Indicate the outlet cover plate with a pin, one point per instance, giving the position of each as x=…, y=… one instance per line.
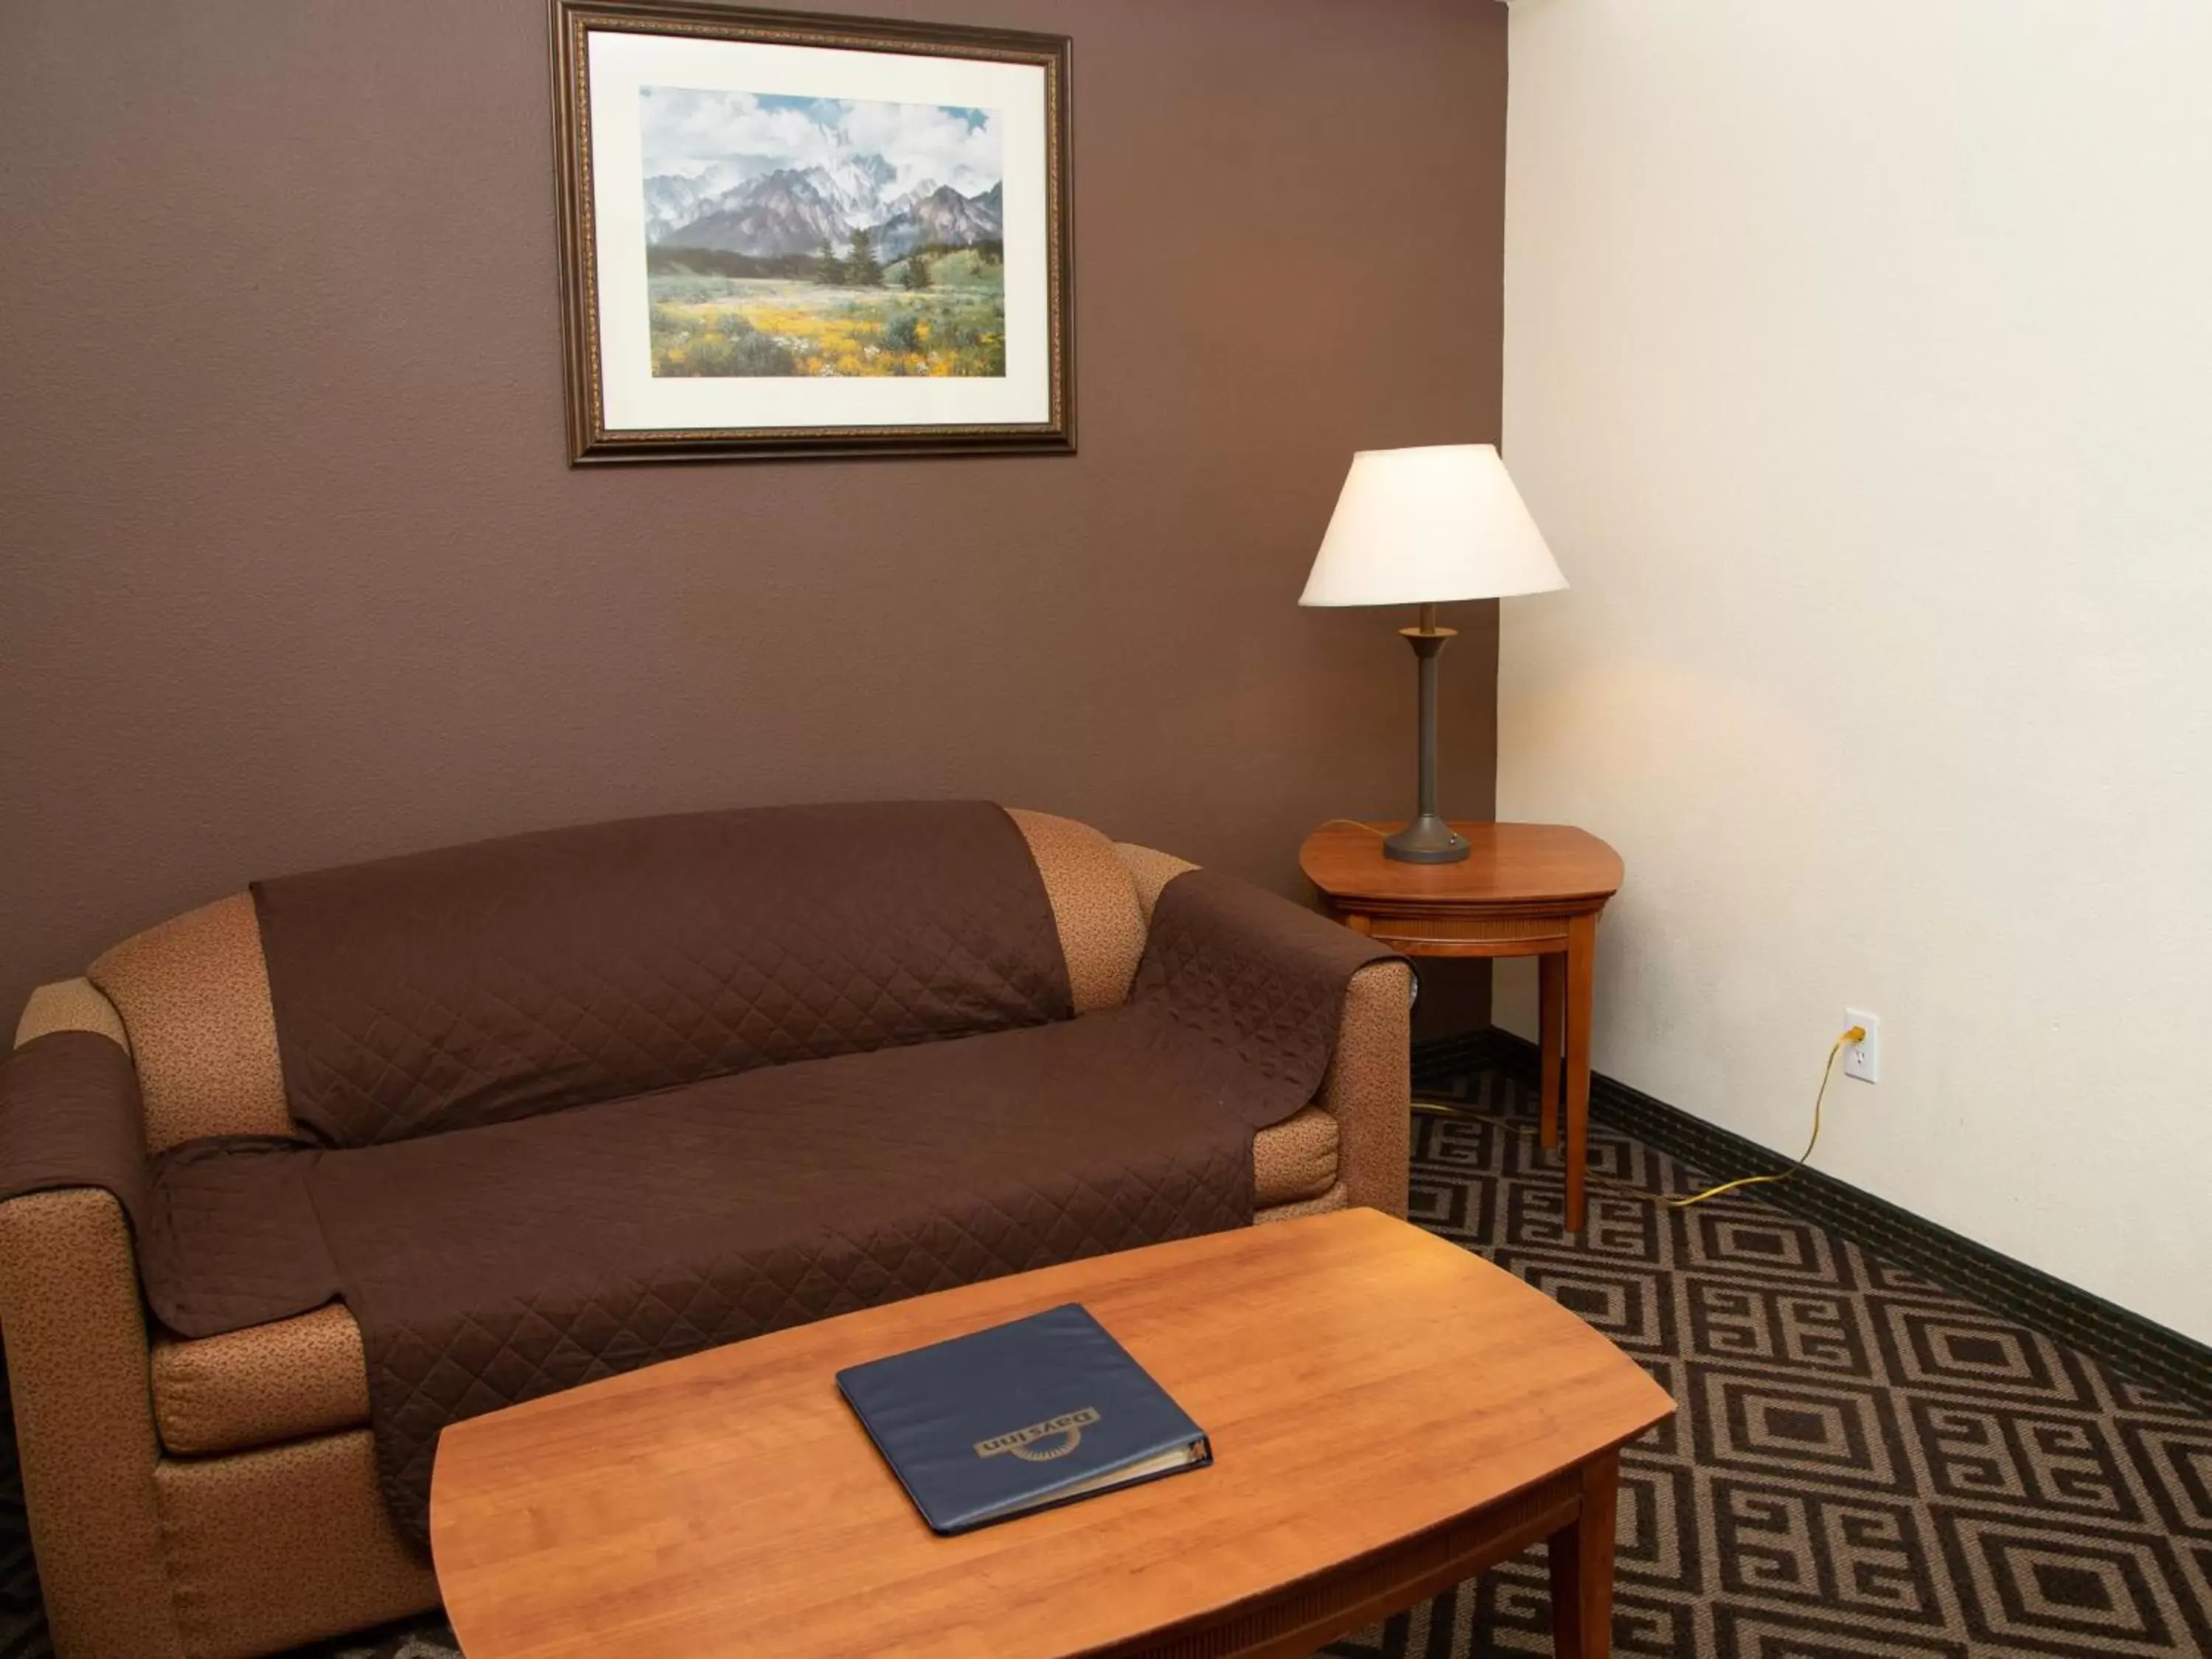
x=1862, y=1059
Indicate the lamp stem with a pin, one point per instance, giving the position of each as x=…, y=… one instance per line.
x=1428, y=839
x=1426, y=805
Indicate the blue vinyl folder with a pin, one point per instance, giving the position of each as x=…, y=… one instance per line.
x=1019, y=1417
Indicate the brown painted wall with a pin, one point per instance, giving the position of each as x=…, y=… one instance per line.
x=292, y=570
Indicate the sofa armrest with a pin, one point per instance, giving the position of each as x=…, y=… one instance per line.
x=1369, y=1088
x=71, y=1159
x=71, y=1005
x=70, y=1116
x=77, y=1371
x=1369, y=1085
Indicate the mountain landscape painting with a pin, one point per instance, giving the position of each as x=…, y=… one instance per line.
x=819, y=237
x=783, y=235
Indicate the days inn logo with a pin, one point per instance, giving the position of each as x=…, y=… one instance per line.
x=1027, y=1444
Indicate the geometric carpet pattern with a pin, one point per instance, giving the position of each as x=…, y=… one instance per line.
x=1862, y=1465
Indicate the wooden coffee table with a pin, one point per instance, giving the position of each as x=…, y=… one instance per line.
x=1389, y=1414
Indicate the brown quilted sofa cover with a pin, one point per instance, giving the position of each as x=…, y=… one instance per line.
x=218, y=1496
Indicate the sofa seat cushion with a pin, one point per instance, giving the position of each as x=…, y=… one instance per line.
x=305, y=1375
x=267, y=1383
x=1294, y=1159
x=300, y=1376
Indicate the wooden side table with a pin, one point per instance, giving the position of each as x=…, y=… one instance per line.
x=1524, y=889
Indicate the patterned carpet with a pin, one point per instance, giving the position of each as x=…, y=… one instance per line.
x=1863, y=1466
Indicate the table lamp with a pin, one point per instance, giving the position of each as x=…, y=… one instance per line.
x=1425, y=526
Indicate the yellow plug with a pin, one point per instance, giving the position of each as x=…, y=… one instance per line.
x=1857, y=1034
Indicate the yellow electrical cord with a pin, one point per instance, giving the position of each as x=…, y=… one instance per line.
x=1857, y=1034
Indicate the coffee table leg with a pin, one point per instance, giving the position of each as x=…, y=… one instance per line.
x=1582, y=1567
x=1551, y=1021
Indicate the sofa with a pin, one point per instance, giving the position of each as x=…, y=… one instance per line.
x=215, y=1496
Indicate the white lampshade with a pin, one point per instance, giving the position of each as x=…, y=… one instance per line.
x=1417, y=525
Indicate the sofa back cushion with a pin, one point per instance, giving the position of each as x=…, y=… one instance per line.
x=475, y=984
x=192, y=992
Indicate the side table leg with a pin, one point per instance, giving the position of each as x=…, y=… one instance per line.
x=1581, y=986
x=1551, y=1017
x=1582, y=1567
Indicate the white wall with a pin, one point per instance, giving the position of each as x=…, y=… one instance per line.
x=1858, y=365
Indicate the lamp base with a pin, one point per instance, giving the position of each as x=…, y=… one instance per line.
x=1427, y=840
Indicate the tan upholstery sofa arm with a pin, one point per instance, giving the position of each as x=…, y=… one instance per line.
x=1150, y=871
x=77, y=1369
x=1369, y=1088
x=71, y=1005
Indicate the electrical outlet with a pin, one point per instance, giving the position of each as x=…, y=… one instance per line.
x=1862, y=1058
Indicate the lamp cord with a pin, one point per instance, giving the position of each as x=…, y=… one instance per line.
x=1857, y=1034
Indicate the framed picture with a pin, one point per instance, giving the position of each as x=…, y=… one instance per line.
x=786, y=234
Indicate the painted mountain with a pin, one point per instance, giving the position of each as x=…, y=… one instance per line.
x=781, y=212
x=768, y=176
x=944, y=218
x=787, y=210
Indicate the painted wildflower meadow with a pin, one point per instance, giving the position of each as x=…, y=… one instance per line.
x=800, y=236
